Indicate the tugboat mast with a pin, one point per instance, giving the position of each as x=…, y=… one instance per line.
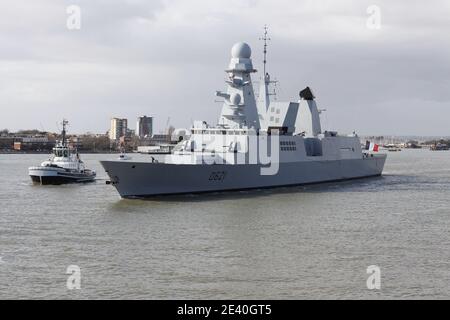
x=64, y=123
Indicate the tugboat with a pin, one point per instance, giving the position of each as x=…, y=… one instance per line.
x=64, y=166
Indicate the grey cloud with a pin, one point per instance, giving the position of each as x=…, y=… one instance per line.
x=166, y=58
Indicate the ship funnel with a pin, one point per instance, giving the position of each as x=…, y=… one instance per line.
x=306, y=94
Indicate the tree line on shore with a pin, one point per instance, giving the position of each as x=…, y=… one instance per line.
x=85, y=142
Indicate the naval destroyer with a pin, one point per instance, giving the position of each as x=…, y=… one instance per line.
x=257, y=143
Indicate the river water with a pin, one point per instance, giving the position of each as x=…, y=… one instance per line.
x=290, y=243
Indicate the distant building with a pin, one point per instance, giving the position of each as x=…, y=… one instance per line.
x=6, y=143
x=119, y=128
x=144, y=127
x=33, y=144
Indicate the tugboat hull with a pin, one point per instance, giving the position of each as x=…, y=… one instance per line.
x=57, y=176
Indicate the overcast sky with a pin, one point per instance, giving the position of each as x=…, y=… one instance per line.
x=167, y=58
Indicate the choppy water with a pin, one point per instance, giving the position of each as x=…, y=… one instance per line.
x=304, y=242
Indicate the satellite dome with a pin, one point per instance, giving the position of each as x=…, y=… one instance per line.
x=241, y=50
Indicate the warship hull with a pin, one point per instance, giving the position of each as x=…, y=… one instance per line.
x=143, y=179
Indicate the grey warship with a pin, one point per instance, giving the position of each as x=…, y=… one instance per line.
x=257, y=143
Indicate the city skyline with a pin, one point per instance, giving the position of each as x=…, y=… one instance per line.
x=392, y=80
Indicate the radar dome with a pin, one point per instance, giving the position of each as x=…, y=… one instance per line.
x=241, y=50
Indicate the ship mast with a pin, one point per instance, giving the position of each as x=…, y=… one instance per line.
x=264, y=95
x=64, y=123
x=265, y=39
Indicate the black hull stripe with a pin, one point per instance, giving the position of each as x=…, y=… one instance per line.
x=56, y=180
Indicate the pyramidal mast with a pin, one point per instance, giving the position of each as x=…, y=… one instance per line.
x=239, y=109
